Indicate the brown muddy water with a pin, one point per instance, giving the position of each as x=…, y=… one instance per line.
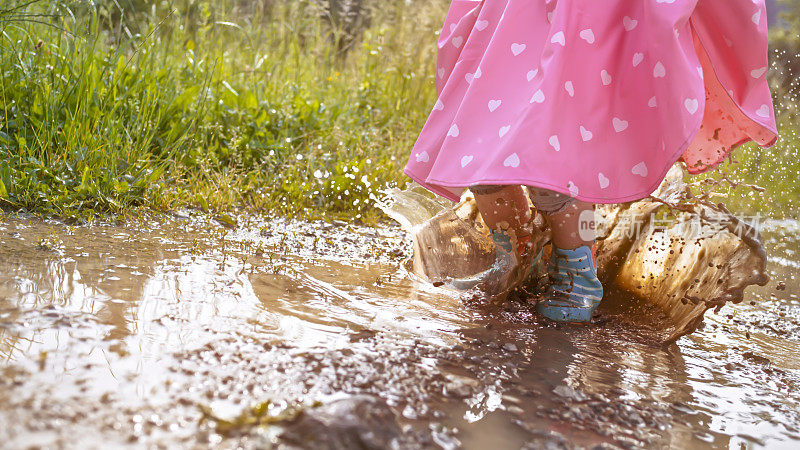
x=178, y=331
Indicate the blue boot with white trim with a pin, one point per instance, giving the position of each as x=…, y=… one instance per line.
x=575, y=291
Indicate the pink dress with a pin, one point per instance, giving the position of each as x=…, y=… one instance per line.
x=593, y=98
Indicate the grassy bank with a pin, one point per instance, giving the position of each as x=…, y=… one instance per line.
x=271, y=105
x=285, y=107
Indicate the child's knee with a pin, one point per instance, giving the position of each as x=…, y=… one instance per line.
x=486, y=189
x=550, y=202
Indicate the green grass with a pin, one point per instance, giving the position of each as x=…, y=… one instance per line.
x=773, y=171
x=211, y=104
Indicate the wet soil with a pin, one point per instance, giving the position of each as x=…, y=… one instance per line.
x=180, y=331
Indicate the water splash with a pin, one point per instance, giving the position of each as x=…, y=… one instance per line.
x=676, y=269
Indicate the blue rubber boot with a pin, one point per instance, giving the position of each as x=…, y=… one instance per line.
x=505, y=248
x=507, y=258
x=502, y=242
x=574, y=292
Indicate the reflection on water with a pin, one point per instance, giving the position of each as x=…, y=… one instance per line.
x=127, y=333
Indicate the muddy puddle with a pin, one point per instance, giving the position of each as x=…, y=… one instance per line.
x=178, y=331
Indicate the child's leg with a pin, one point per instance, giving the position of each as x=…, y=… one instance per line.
x=575, y=291
x=505, y=210
x=573, y=227
x=571, y=221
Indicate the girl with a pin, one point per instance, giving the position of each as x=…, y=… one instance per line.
x=587, y=102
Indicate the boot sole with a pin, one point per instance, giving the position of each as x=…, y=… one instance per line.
x=566, y=314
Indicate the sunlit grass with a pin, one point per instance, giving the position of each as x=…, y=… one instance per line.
x=210, y=106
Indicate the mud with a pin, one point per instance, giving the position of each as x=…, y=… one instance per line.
x=178, y=331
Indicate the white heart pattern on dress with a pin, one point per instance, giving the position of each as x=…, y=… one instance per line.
x=503, y=130
x=452, y=27
x=558, y=38
x=691, y=105
x=629, y=23
x=603, y=180
x=531, y=74
x=637, y=59
x=466, y=160
x=481, y=25
x=587, y=35
x=757, y=17
x=573, y=190
x=586, y=135
x=516, y=48
x=763, y=111
x=511, y=161
x=640, y=169
x=494, y=104
x=758, y=73
x=659, y=71
x=605, y=77
x=569, y=88
x=554, y=142
x=440, y=71
x=457, y=41
x=619, y=124
x=473, y=76
x=438, y=106
x=538, y=97
x=453, y=131
x=652, y=102
x=423, y=157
